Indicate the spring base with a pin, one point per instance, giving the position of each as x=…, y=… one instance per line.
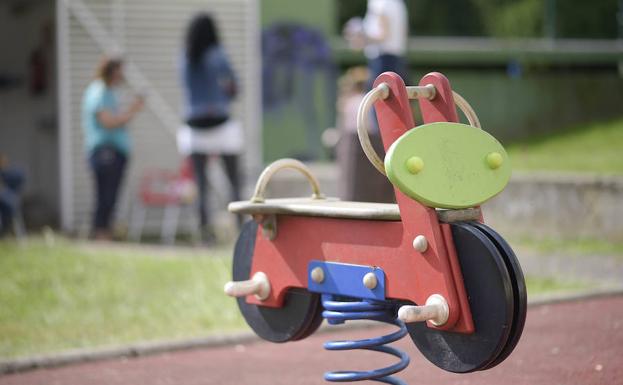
x=337, y=311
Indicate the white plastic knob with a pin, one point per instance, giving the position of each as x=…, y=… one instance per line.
x=436, y=311
x=258, y=285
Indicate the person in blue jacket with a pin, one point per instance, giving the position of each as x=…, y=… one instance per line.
x=107, y=142
x=11, y=182
x=209, y=86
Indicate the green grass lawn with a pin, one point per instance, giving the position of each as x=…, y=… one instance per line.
x=538, y=286
x=595, y=147
x=577, y=246
x=73, y=295
x=69, y=295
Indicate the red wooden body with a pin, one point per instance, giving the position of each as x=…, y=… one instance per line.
x=409, y=274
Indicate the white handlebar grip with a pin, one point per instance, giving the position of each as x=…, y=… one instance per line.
x=436, y=311
x=258, y=285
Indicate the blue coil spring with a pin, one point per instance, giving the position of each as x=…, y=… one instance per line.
x=337, y=312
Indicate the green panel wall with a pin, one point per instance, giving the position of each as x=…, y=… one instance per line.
x=537, y=103
x=284, y=132
x=544, y=99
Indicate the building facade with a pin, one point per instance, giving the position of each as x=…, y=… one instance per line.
x=74, y=35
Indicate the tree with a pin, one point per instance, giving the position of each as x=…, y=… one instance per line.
x=502, y=18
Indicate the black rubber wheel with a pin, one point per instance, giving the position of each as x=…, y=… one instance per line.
x=299, y=314
x=490, y=294
x=519, y=291
x=314, y=324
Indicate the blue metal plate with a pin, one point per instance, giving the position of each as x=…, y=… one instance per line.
x=347, y=280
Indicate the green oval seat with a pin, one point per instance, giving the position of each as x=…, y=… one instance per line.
x=448, y=165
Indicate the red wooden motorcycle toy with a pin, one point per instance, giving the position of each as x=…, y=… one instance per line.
x=427, y=264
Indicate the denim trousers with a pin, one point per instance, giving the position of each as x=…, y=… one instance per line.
x=387, y=62
x=200, y=172
x=377, y=66
x=108, y=166
x=11, y=183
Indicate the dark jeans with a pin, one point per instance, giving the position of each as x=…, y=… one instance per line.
x=381, y=64
x=11, y=182
x=108, y=165
x=6, y=216
x=385, y=63
x=199, y=168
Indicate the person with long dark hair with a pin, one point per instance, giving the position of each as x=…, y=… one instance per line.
x=209, y=86
x=107, y=141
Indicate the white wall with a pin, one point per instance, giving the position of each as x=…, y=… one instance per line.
x=150, y=33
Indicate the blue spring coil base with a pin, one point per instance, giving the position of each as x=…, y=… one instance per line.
x=337, y=312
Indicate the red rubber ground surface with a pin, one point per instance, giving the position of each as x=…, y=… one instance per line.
x=566, y=343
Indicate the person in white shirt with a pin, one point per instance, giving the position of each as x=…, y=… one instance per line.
x=382, y=34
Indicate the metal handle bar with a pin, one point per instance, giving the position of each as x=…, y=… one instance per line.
x=414, y=92
x=262, y=182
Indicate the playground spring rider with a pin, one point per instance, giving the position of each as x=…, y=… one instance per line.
x=429, y=264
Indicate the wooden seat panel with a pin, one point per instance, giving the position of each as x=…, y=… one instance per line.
x=335, y=208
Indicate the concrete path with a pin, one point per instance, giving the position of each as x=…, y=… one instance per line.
x=577, y=342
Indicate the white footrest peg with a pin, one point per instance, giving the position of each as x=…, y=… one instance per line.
x=257, y=285
x=435, y=310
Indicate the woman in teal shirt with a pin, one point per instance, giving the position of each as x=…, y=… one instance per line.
x=106, y=139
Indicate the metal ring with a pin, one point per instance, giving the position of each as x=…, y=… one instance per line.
x=381, y=92
x=363, y=115
x=467, y=110
x=271, y=169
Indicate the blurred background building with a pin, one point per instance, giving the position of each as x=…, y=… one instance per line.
x=526, y=66
x=49, y=53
